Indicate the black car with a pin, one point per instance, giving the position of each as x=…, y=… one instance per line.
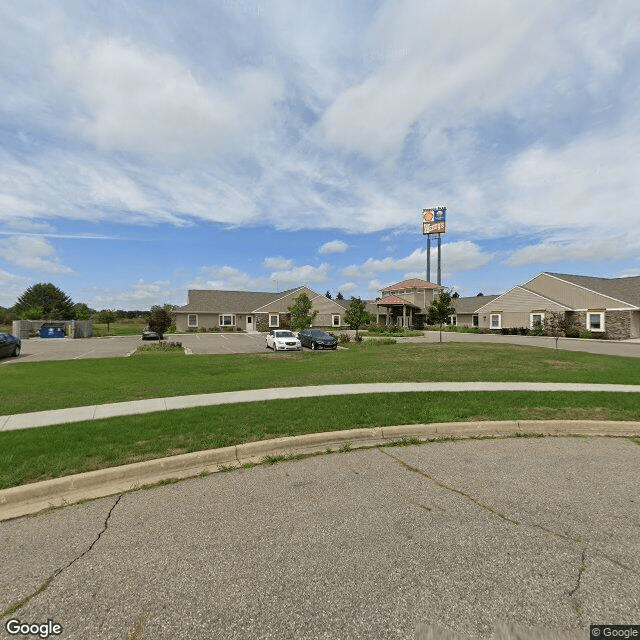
x=151, y=335
x=9, y=345
x=317, y=339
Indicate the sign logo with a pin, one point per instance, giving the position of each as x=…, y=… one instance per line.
x=434, y=220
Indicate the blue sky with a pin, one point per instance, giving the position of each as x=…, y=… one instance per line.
x=151, y=147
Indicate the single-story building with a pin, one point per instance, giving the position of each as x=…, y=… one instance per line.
x=251, y=310
x=607, y=306
x=466, y=314
x=406, y=303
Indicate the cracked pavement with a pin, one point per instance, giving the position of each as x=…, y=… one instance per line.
x=467, y=536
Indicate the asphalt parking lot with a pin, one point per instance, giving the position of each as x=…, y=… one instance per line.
x=39, y=349
x=465, y=536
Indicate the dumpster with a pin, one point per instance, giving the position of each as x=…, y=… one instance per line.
x=53, y=330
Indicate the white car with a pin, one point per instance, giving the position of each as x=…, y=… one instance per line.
x=283, y=340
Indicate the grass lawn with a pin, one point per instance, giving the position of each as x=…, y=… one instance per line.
x=51, y=385
x=32, y=455
x=131, y=327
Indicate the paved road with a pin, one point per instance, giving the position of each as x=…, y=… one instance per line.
x=379, y=543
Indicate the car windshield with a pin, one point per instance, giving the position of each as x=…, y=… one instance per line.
x=318, y=333
x=284, y=334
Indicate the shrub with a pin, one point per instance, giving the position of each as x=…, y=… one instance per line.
x=573, y=333
x=344, y=338
x=583, y=333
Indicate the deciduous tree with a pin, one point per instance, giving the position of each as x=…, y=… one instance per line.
x=357, y=315
x=440, y=310
x=300, y=312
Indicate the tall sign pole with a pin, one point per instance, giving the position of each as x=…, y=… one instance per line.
x=434, y=223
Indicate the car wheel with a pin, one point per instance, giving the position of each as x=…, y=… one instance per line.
x=16, y=351
x=313, y=346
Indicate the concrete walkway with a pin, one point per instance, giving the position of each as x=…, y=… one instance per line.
x=134, y=407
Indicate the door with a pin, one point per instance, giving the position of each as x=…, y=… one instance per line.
x=249, y=323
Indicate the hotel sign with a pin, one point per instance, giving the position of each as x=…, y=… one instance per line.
x=433, y=220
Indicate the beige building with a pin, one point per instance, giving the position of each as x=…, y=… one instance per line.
x=251, y=310
x=606, y=306
x=405, y=303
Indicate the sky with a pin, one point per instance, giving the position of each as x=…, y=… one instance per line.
x=151, y=147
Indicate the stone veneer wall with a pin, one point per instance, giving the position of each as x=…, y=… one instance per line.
x=617, y=324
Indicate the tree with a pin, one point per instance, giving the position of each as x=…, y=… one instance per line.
x=81, y=311
x=106, y=316
x=328, y=294
x=357, y=315
x=440, y=310
x=160, y=319
x=339, y=296
x=480, y=295
x=54, y=303
x=301, y=318
x=455, y=295
x=556, y=324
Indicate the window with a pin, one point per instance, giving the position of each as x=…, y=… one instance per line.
x=536, y=319
x=496, y=321
x=453, y=320
x=595, y=321
x=475, y=321
x=335, y=320
x=192, y=320
x=274, y=320
x=227, y=320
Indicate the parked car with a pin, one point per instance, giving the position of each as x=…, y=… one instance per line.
x=9, y=345
x=317, y=339
x=151, y=335
x=282, y=340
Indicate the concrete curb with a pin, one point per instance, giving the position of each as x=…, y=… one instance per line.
x=35, y=497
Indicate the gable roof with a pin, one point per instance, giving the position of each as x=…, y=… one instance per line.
x=518, y=290
x=622, y=289
x=470, y=304
x=412, y=282
x=216, y=301
x=387, y=300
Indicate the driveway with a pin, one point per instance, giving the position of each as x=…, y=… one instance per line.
x=469, y=536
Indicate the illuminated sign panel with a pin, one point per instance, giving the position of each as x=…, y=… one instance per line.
x=433, y=220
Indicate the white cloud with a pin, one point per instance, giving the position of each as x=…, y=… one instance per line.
x=456, y=256
x=588, y=250
x=304, y=274
x=335, y=246
x=139, y=295
x=11, y=287
x=32, y=252
x=277, y=263
x=147, y=101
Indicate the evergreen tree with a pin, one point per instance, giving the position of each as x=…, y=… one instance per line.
x=53, y=303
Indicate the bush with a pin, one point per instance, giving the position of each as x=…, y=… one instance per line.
x=573, y=333
x=583, y=333
x=344, y=338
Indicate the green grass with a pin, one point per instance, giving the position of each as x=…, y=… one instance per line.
x=38, y=386
x=32, y=455
x=120, y=328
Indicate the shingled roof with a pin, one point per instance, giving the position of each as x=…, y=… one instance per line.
x=623, y=289
x=412, y=282
x=470, y=304
x=204, y=300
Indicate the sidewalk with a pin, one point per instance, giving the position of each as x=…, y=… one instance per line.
x=136, y=407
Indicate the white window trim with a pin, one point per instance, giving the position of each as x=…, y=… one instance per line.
x=453, y=320
x=277, y=317
x=536, y=313
x=189, y=324
x=499, y=316
x=227, y=315
x=333, y=320
x=595, y=313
